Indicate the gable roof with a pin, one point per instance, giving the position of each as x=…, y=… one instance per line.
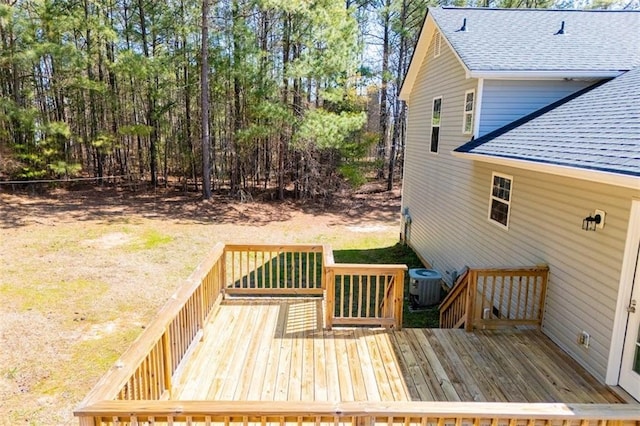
x=522, y=43
x=595, y=131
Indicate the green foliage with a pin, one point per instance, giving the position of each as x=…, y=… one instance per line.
x=46, y=156
x=353, y=174
x=62, y=168
x=135, y=130
x=326, y=129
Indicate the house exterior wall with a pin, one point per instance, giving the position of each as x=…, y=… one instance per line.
x=448, y=200
x=504, y=101
x=425, y=172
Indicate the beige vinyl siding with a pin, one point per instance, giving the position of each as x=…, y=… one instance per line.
x=426, y=173
x=448, y=200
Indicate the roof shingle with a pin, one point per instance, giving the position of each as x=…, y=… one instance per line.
x=526, y=40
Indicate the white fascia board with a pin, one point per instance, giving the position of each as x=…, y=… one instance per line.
x=571, y=172
x=426, y=33
x=542, y=75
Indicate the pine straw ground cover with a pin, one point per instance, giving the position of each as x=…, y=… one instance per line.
x=82, y=271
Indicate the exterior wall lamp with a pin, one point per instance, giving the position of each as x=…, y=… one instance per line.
x=593, y=221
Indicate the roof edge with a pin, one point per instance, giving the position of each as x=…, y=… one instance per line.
x=551, y=75
x=592, y=175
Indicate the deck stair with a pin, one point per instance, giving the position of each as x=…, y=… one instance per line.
x=496, y=297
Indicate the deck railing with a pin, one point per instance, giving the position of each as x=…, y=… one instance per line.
x=136, y=390
x=146, y=370
x=272, y=270
x=490, y=298
x=453, y=309
x=276, y=413
x=364, y=295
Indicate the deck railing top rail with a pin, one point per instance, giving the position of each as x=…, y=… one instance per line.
x=357, y=413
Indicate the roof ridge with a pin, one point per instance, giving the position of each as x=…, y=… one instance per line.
x=503, y=9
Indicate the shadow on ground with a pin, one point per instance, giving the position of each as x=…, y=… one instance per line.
x=116, y=204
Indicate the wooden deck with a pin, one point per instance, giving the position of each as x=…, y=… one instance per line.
x=277, y=349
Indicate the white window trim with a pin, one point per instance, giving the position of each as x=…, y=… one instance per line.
x=465, y=112
x=437, y=44
x=508, y=203
x=438, y=126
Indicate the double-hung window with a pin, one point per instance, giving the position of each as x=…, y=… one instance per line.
x=435, y=124
x=500, y=199
x=467, y=122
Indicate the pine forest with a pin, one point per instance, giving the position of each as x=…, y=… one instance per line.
x=296, y=97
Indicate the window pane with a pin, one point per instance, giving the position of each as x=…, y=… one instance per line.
x=435, y=136
x=468, y=123
x=501, y=188
x=435, y=117
x=499, y=211
x=468, y=103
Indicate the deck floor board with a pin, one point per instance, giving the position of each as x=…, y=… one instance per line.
x=277, y=349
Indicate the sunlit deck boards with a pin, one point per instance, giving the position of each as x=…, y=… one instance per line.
x=278, y=350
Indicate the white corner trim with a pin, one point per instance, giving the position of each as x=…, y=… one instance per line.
x=478, y=108
x=551, y=75
x=624, y=295
x=554, y=169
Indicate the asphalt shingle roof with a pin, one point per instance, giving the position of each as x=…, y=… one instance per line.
x=526, y=40
x=597, y=130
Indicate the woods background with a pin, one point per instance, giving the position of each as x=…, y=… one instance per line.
x=299, y=96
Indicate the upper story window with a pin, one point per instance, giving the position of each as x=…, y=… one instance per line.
x=435, y=123
x=437, y=44
x=467, y=123
x=500, y=199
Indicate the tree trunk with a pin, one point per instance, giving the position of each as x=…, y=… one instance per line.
x=204, y=93
x=384, y=119
x=151, y=102
x=286, y=45
x=399, y=106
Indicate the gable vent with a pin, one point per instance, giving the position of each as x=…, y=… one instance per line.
x=561, y=30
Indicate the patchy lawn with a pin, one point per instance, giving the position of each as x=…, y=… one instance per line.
x=82, y=271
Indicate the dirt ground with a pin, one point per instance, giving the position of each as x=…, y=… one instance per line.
x=82, y=271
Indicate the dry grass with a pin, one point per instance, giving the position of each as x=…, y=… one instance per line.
x=81, y=272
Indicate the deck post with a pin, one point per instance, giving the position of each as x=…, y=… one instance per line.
x=330, y=299
x=87, y=421
x=543, y=295
x=223, y=273
x=398, y=296
x=471, y=300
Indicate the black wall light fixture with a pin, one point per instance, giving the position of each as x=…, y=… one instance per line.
x=593, y=221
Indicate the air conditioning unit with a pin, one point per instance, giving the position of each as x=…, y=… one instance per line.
x=424, y=287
